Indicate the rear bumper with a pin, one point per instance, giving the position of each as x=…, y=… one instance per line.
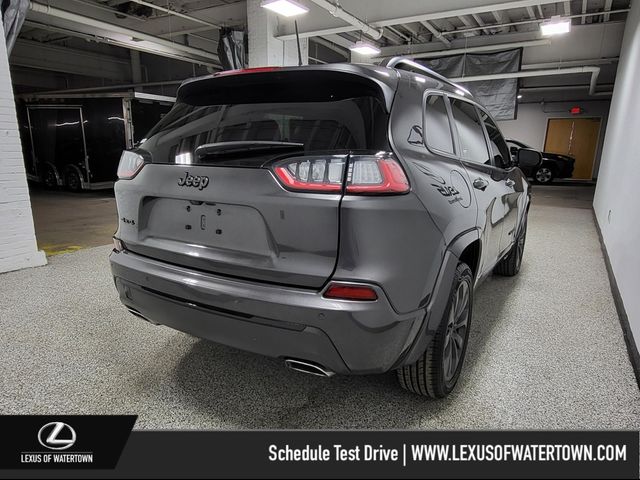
x=277, y=321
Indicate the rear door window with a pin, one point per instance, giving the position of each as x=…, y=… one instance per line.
x=470, y=132
x=499, y=149
x=437, y=128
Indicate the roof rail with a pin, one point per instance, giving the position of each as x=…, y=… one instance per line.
x=399, y=62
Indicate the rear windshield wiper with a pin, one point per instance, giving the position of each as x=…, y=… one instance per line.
x=245, y=147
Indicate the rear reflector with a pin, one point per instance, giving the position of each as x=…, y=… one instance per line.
x=366, y=174
x=345, y=291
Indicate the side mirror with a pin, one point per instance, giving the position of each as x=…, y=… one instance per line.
x=528, y=158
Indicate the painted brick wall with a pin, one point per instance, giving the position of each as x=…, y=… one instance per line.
x=18, y=247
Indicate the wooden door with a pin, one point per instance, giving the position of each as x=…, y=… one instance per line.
x=576, y=137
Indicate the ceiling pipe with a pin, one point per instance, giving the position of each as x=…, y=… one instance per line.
x=339, y=12
x=436, y=33
x=553, y=88
x=107, y=88
x=133, y=34
x=479, y=48
x=173, y=12
x=570, y=63
x=421, y=17
x=110, y=41
x=525, y=22
x=594, y=71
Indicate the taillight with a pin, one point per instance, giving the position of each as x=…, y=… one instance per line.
x=348, y=291
x=130, y=164
x=366, y=174
x=312, y=174
x=118, y=246
x=376, y=174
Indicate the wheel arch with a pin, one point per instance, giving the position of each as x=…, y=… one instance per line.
x=56, y=173
x=468, y=248
x=76, y=169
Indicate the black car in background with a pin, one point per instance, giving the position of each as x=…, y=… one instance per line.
x=554, y=165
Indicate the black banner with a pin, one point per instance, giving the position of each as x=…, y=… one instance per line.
x=63, y=441
x=312, y=454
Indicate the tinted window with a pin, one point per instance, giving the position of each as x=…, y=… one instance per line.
x=499, y=150
x=348, y=124
x=472, y=142
x=437, y=127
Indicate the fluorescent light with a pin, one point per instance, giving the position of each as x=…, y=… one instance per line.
x=365, y=48
x=286, y=8
x=555, y=26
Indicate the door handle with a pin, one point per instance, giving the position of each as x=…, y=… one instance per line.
x=509, y=183
x=480, y=184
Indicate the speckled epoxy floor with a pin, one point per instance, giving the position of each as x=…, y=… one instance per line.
x=546, y=351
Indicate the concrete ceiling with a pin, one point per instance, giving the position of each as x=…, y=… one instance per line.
x=91, y=38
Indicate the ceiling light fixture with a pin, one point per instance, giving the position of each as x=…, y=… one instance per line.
x=365, y=48
x=286, y=8
x=556, y=26
x=519, y=96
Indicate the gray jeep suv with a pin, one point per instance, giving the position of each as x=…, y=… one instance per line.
x=335, y=216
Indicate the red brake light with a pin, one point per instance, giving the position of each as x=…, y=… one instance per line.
x=367, y=174
x=345, y=291
x=242, y=71
x=312, y=174
x=376, y=174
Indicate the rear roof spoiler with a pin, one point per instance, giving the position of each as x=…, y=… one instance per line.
x=404, y=63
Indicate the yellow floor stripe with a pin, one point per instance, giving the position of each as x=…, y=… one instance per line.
x=60, y=249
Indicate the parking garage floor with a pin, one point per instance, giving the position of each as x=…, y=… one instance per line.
x=546, y=352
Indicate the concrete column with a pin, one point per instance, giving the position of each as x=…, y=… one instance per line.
x=18, y=247
x=136, y=69
x=264, y=48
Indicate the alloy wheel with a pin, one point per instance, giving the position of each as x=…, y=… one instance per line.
x=456, y=333
x=543, y=175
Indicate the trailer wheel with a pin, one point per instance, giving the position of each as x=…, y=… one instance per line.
x=49, y=178
x=72, y=180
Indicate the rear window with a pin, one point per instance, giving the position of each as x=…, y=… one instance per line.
x=324, y=119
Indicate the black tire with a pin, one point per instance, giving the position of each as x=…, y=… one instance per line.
x=510, y=265
x=72, y=180
x=432, y=375
x=544, y=175
x=49, y=178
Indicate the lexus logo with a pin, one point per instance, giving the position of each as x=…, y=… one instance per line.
x=57, y=436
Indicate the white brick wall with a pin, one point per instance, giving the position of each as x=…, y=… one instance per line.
x=18, y=247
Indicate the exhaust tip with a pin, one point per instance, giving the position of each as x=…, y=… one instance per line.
x=308, y=368
x=133, y=311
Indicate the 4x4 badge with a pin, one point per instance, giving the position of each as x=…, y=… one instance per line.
x=189, y=180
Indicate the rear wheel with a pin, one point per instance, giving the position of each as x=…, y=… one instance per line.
x=544, y=175
x=49, y=178
x=72, y=180
x=436, y=373
x=510, y=265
